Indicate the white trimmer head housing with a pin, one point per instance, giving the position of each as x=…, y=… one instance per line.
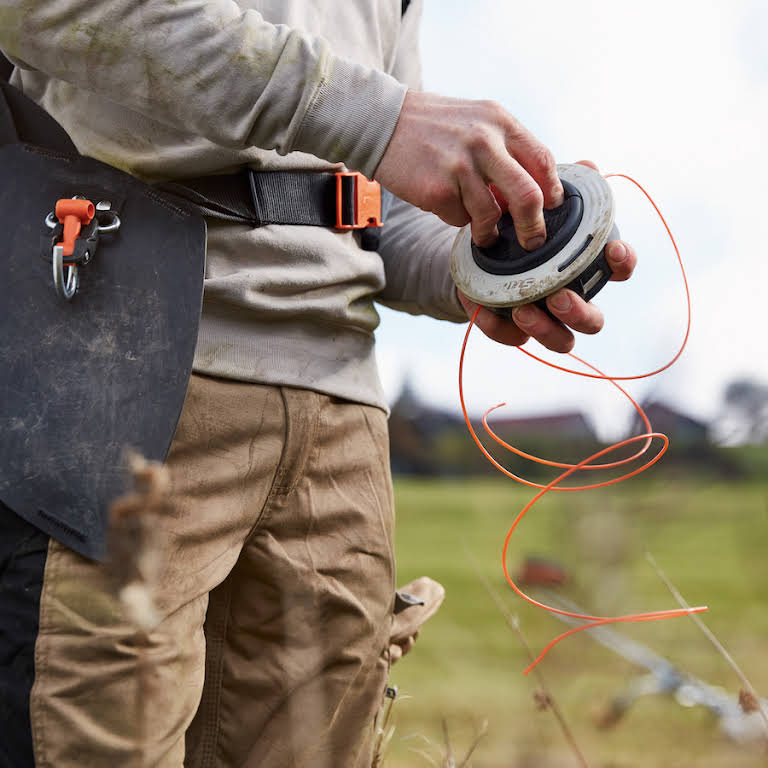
x=506, y=275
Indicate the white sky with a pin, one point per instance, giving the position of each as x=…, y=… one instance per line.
x=675, y=94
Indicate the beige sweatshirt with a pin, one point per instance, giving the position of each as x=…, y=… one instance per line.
x=168, y=89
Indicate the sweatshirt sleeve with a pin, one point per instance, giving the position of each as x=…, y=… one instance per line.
x=415, y=245
x=416, y=250
x=213, y=69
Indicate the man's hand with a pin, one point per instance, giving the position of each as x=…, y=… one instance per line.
x=574, y=312
x=446, y=152
x=444, y=155
x=408, y=622
x=571, y=309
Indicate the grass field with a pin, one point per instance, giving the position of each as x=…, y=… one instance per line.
x=710, y=539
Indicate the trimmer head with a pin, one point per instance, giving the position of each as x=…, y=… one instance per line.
x=506, y=275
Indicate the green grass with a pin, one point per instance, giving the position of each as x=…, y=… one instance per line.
x=711, y=540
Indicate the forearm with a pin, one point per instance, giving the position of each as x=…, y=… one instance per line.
x=213, y=70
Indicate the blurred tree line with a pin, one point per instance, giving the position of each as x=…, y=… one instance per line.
x=429, y=442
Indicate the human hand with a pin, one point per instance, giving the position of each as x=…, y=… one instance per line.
x=444, y=154
x=406, y=623
x=567, y=306
x=443, y=157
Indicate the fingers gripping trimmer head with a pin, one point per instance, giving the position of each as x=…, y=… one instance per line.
x=506, y=275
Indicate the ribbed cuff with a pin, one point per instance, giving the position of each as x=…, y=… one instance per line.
x=352, y=116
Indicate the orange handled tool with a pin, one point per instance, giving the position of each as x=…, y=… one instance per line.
x=73, y=214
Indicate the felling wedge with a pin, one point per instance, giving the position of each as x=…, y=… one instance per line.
x=573, y=256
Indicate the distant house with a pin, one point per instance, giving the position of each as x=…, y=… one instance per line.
x=428, y=441
x=570, y=425
x=674, y=424
x=690, y=446
x=414, y=428
x=428, y=420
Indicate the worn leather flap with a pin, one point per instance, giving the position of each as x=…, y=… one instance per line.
x=82, y=380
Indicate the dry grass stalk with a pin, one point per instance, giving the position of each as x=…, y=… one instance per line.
x=449, y=761
x=134, y=564
x=543, y=694
x=473, y=746
x=423, y=752
x=748, y=698
x=384, y=731
x=446, y=759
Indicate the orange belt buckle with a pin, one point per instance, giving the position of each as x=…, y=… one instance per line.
x=366, y=195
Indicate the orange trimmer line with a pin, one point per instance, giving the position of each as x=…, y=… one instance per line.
x=687, y=299
x=582, y=465
x=549, y=463
x=648, y=437
x=635, y=617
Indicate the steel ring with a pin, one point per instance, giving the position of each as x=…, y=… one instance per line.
x=65, y=288
x=113, y=227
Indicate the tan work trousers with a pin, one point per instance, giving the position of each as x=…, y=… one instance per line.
x=276, y=598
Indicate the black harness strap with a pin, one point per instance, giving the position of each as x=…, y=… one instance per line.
x=310, y=197
x=270, y=197
x=8, y=132
x=277, y=197
x=5, y=68
x=21, y=120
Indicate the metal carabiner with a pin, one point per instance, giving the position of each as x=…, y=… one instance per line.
x=113, y=226
x=65, y=288
x=67, y=283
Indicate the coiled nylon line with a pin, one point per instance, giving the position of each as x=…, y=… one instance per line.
x=646, y=438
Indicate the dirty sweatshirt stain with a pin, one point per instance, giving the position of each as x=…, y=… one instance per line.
x=168, y=89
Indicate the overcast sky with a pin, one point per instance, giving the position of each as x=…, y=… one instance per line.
x=673, y=93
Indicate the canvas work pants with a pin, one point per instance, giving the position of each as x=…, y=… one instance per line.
x=275, y=599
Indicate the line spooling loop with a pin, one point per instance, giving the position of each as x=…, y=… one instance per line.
x=646, y=438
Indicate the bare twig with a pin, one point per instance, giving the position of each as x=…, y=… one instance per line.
x=449, y=761
x=384, y=731
x=750, y=691
x=423, y=753
x=445, y=755
x=544, y=694
x=473, y=746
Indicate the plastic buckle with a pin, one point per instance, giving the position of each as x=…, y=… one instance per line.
x=365, y=201
x=73, y=214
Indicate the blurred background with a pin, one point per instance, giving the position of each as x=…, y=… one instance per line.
x=676, y=95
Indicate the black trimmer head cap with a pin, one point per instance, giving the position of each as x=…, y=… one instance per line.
x=506, y=275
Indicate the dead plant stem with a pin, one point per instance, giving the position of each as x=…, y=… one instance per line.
x=709, y=635
x=449, y=761
x=514, y=624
